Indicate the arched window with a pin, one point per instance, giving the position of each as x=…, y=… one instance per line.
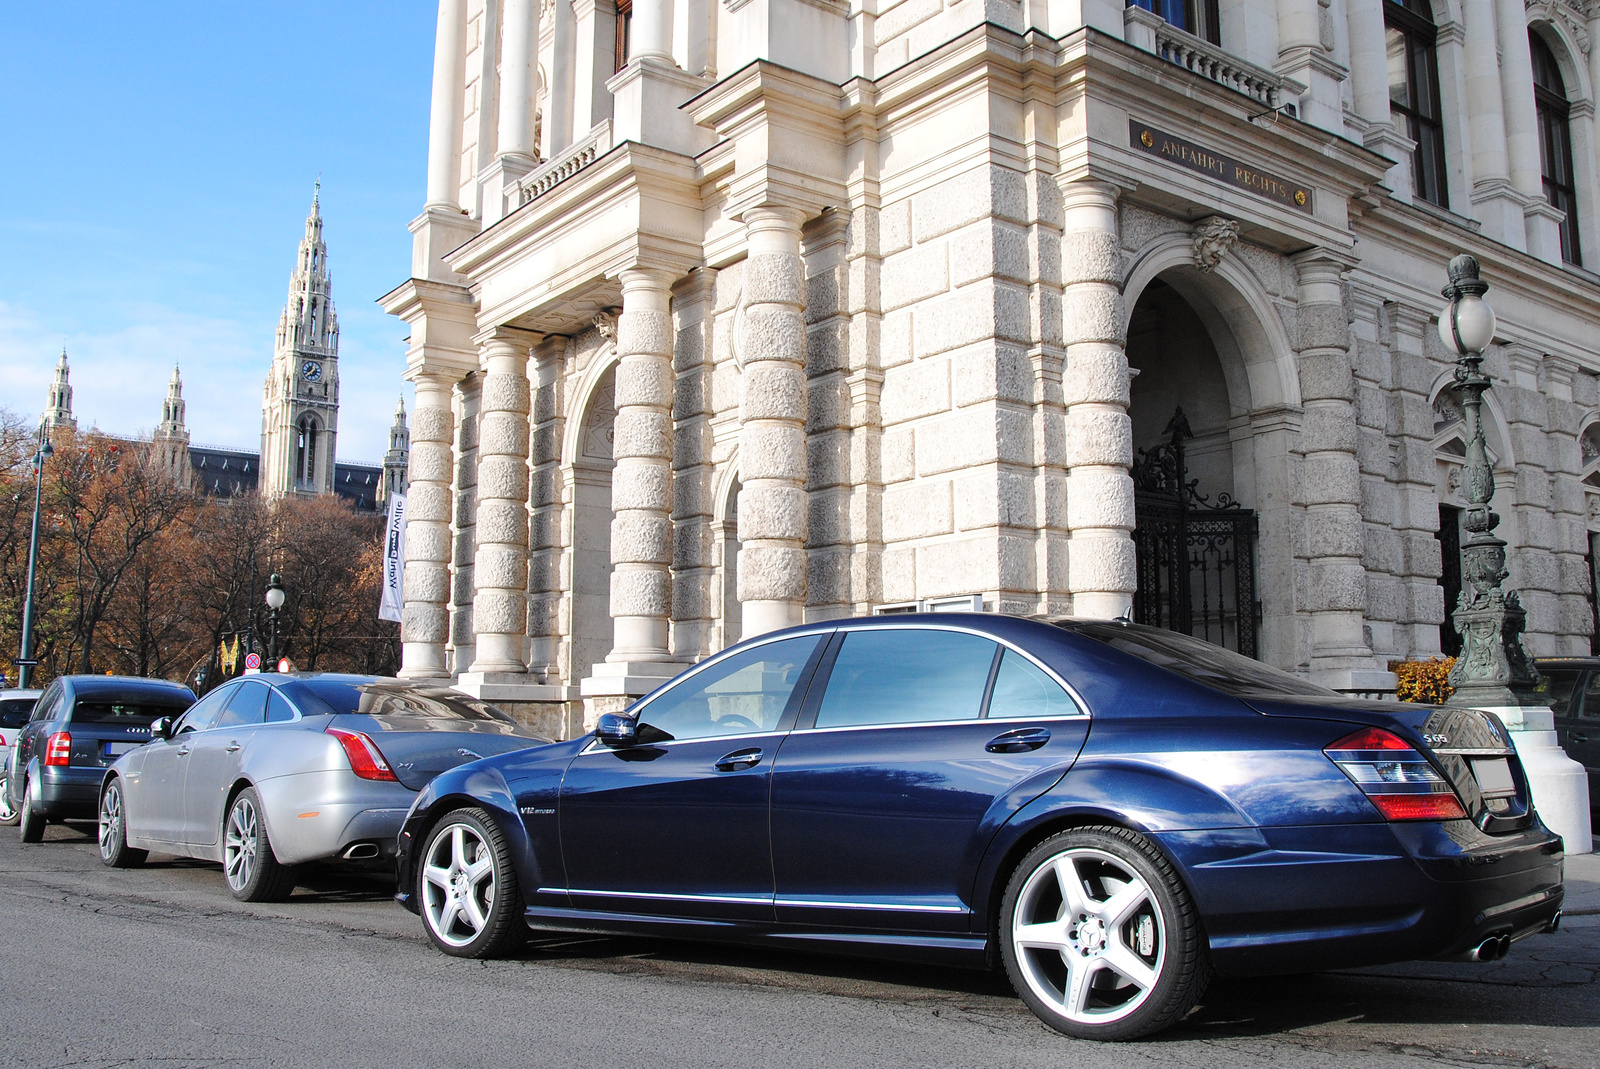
x=305, y=461
x=1414, y=93
x=1555, y=143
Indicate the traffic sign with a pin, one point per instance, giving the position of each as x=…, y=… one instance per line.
x=284, y=665
x=252, y=662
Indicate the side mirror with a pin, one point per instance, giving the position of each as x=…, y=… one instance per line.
x=616, y=730
x=161, y=728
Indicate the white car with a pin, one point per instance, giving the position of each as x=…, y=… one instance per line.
x=15, y=708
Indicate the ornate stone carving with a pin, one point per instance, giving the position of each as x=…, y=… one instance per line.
x=606, y=323
x=1213, y=236
x=1446, y=410
x=1571, y=17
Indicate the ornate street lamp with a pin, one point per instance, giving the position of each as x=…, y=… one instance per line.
x=275, y=596
x=1492, y=664
x=25, y=659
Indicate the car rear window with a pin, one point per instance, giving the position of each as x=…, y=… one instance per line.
x=1196, y=659
x=92, y=711
x=388, y=699
x=14, y=712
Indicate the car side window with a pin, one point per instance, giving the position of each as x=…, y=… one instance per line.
x=903, y=675
x=247, y=707
x=13, y=714
x=203, y=713
x=1558, y=689
x=1590, y=709
x=49, y=704
x=1023, y=689
x=744, y=693
x=278, y=708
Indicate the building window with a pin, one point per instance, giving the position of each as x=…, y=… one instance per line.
x=624, y=34
x=1555, y=143
x=1414, y=93
x=1450, y=551
x=305, y=464
x=1594, y=593
x=1199, y=17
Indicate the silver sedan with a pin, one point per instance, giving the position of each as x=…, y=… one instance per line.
x=268, y=772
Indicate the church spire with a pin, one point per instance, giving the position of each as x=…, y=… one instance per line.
x=58, y=411
x=397, y=459
x=308, y=320
x=171, y=437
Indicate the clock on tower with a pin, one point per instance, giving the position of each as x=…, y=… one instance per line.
x=311, y=370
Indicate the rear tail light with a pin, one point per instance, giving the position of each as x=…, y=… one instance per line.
x=1396, y=779
x=366, y=760
x=58, y=751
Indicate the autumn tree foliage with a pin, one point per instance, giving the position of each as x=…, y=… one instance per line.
x=141, y=575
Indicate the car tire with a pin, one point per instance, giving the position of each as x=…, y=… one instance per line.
x=9, y=814
x=467, y=889
x=30, y=822
x=114, y=848
x=1121, y=956
x=252, y=871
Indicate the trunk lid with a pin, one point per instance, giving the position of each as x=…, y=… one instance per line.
x=1469, y=747
x=418, y=748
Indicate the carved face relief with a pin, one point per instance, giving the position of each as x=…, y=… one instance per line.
x=1212, y=237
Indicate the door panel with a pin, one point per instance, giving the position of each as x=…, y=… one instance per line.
x=214, y=762
x=677, y=824
x=155, y=802
x=883, y=826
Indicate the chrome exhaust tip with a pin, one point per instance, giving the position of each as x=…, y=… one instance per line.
x=1492, y=949
x=360, y=851
x=1555, y=924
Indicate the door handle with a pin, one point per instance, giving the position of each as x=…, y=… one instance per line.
x=1019, y=741
x=737, y=760
x=183, y=752
x=231, y=747
x=1580, y=738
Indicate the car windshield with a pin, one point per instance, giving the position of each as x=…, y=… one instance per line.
x=387, y=698
x=14, y=712
x=97, y=711
x=1196, y=659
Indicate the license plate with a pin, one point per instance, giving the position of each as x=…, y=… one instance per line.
x=1494, y=777
x=117, y=749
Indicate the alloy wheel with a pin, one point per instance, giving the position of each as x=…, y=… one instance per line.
x=241, y=842
x=8, y=812
x=110, y=820
x=1090, y=937
x=458, y=884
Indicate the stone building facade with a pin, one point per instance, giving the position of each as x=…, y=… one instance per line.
x=807, y=308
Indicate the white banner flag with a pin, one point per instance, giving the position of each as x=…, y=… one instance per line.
x=394, y=560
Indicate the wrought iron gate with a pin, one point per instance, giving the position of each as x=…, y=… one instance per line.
x=1195, y=558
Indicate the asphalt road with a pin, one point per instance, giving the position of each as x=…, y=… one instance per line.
x=161, y=966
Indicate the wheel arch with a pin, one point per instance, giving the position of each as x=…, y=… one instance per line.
x=500, y=807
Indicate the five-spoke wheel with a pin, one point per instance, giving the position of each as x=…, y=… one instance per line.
x=467, y=887
x=1099, y=935
x=252, y=870
x=114, y=848
x=8, y=812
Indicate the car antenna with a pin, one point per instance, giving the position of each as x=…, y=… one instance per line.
x=1126, y=617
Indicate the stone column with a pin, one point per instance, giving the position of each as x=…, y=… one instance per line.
x=641, y=482
x=772, y=418
x=1543, y=238
x=651, y=31
x=444, y=123
x=1335, y=536
x=558, y=107
x=1369, y=90
x=500, y=590
x=694, y=474
x=1303, y=57
x=519, y=43
x=1417, y=518
x=1100, y=567
x=545, y=506
x=1498, y=206
x=464, y=507
x=426, y=625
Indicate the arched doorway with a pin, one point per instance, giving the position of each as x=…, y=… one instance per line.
x=1195, y=543
x=591, y=529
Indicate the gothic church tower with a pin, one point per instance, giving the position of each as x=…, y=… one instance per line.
x=300, y=405
x=58, y=411
x=171, y=437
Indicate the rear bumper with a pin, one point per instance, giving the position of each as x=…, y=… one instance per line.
x=1368, y=894
x=314, y=816
x=69, y=793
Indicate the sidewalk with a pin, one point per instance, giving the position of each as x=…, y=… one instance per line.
x=1583, y=887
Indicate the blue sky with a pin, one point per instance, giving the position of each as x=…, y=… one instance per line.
x=158, y=166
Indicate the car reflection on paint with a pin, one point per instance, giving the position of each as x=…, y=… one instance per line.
x=270, y=771
x=1113, y=813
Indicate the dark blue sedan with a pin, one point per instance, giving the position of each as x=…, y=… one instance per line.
x=1113, y=812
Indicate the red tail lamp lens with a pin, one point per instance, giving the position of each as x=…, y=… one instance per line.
x=1370, y=739
x=58, y=751
x=1418, y=806
x=366, y=760
x=1398, y=780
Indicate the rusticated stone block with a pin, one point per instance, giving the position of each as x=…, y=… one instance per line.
x=772, y=451
x=497, y=613
x=775, y=278
x=894, y=226
x=1097, y=565
x=915, y=390
x=429, y=424
x=895, y=338
x=503, y=567
x=775, y=512
x=971, y=314
x=504, y=434
x=1331, y=479
x=773, y=332
x=424, y=623
x=641, y=592
x=505, y=393
x=641, y=538
x=500, y=520
x=1099, y=497
x=1323, y=326
x=427, y=581
x=638, y=485
x=1099, y=434
x=827, y=405
x=1336, y=534
x=1328, y=427
x=915, y=275
x=1091, y=312
x=1336, y=587
x=1090, y=256
x=1326, y=377
x=430, y=463
x=828, y=460
x=644, y=331
x=773, y=390
x=1095, y=374
x=427, y=503
x=898, y=455
x=644, y=380
x=916, y=511
x=967, y=198
x=500, y=476
x=989, y=248
x=986, y=373
x=772, y=573
x=642, y=432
